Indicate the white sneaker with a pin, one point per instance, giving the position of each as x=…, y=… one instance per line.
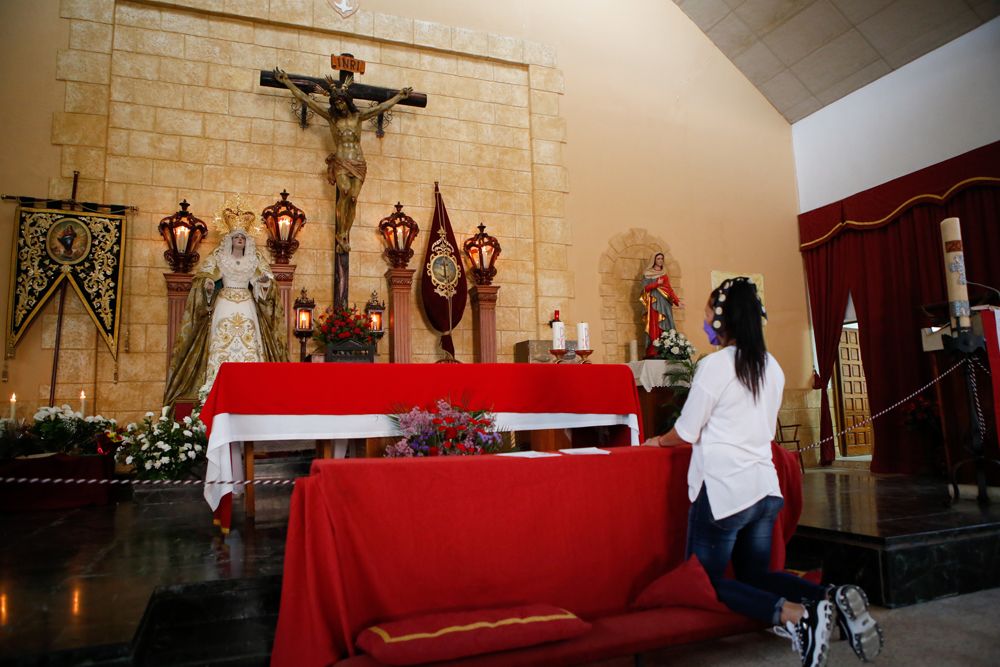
x=810, y=637
x=856, y=622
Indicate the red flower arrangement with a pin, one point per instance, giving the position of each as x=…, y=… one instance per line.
x=336, y=326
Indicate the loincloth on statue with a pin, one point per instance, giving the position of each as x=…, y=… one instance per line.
x=334, y=165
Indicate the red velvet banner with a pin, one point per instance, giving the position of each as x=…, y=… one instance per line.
x=443, y=286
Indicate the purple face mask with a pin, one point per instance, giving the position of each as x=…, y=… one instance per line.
x=713, y=336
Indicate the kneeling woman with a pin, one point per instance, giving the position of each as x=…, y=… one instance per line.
x=729, y=417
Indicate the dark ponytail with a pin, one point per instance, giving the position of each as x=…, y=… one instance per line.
x=741, y=319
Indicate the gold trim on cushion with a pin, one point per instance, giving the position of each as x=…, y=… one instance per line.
x=899, y=209
x=388, y=639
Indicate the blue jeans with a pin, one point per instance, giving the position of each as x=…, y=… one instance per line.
x=745, y=537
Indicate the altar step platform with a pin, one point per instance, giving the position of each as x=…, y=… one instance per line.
x=898, y=537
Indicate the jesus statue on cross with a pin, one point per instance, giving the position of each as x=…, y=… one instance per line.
x=346, y=166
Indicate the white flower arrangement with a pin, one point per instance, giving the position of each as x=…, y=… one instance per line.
x=162, y=448
x=60, y=428
x=672, y=345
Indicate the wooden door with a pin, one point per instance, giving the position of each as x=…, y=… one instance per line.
x=853, y=396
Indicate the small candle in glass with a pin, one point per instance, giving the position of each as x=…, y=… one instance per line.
x=181, y=234
x=284, y=224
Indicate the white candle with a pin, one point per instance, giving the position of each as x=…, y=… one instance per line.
x=633, y=350
x=283, y=224
x=181, y=234
x=13, y=407
x=83, y=402
x=558, y=336
x=583, y=336
x=954, y=267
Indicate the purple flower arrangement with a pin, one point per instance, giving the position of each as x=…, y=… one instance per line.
x=445, y=431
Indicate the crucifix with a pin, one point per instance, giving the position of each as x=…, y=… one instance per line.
x=346, y=165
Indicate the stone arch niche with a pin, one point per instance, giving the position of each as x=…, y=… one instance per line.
x=621, y=268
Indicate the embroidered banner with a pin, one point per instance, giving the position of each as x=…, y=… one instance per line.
x=443, y=288
x=87, y=249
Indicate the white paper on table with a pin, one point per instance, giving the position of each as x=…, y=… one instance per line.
x=585, y=451
x=530, y=454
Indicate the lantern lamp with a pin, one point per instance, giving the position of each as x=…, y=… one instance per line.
x=375, y=311
x=482, y=250
x=283, y=220
x=183, y=234
x=304, y=320
x=398, y=231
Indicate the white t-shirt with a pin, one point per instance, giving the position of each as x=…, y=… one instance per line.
x=731, y=434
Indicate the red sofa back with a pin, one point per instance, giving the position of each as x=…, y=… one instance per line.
x=375, y=540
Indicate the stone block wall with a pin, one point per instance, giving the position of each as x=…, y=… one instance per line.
x=162, y=104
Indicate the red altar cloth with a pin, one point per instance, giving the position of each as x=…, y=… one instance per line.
x=354, y=389
x=267, y=401
x=371, y=540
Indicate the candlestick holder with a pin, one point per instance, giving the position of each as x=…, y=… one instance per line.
x=558, y=354
x=583, y=354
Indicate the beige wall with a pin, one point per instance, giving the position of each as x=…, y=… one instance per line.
x=627, y=107
x=30, y=31
x=665, y=134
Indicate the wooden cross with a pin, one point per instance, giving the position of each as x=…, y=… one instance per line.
x=347, y=65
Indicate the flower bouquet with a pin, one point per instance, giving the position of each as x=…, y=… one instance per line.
x=61, y=429
x=345, y=335
x=672, y=345
x=444, y=431
x=163, y=448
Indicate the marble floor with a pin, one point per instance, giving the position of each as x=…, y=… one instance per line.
x=83, y=577
x=888, y=507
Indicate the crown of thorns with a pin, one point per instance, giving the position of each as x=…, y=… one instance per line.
x=718, y=303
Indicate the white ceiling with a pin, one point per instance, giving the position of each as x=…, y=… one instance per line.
x=805, y=54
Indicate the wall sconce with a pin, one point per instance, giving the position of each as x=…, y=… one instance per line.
x=482, y=250
x=283, y=220
x=398, y=232
x=375, y=311
x=304, y=321
x=183, y=234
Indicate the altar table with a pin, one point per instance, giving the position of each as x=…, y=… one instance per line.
x=296, y=401
x=371, y=540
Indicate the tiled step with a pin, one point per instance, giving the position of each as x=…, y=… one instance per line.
x=228, y=622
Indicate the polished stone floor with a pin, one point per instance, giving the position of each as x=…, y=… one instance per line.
x=888, y=508
x=83, y=577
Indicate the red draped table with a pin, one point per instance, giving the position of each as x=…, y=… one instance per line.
x=294, y=401
x=370, y=540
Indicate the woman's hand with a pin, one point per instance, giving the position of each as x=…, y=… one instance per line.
x=652, y=442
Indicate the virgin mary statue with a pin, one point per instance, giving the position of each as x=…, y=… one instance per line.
x=233, y=312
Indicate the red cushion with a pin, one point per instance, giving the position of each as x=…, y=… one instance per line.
x=687, y=585
x=449, y=635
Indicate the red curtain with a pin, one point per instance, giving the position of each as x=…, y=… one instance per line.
x=828, y=291
x=892, y=268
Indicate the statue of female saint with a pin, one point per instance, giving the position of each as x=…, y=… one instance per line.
x=658, y=298
x=233, y=311
x=345, y=166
